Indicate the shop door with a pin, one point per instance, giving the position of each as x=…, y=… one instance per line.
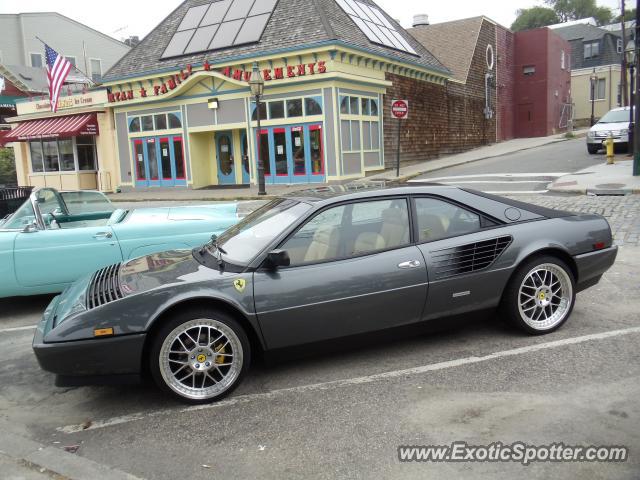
x=226, y=168
x=280, y=156
x=146, y=157
x=245, y=159
x=167, y=178
x=316, y=154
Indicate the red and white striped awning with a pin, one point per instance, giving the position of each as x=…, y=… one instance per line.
x=57, y=127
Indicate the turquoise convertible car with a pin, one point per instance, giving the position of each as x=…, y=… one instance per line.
x=56, y=237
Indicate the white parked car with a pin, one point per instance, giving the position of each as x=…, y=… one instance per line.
x=614, y=123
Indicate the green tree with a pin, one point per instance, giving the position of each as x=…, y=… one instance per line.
x=628, y=16
x=534, y=17
x=7, y=167
x=568, y=10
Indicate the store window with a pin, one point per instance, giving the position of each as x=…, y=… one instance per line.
x=149, y=123
x=294, y=108
x=313, y=106
x=37, y=165
x=67, y=160
x=263, y=112
x=374, y=107
x=359, y=106
x=354, y=106
x=86, y=153
x=276, y=109
x=160, y=122
x=60, y=155
x=366, y=106
x=51, y=156
x=344, y=105
x=600, y=90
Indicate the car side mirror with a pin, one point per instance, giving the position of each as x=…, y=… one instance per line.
x=30, y=228
x=278, y=258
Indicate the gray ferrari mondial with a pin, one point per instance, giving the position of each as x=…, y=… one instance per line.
x=319, y=266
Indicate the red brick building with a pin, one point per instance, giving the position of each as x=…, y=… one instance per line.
x=543, y=82
x=490, y=98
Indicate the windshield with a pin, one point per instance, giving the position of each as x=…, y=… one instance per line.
x=86, y=202
x=245, y=240
x=20, y=218
x=616, y=116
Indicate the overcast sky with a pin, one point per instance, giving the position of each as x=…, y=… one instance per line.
x=122, y=18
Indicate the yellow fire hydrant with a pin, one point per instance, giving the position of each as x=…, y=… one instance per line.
x=609, y=145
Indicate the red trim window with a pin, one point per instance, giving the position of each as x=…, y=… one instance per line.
x=152, y=158
x=178, y=155
x=280, y=146
x=317, y=150
x=299, y=153
x=138, y=158
x=165, y=159
x=262, y=140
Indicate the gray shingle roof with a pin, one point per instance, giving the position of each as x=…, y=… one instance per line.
x=293, y=25
x=27, y=79
x=582, y=32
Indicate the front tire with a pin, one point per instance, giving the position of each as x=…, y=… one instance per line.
x=541, y=295
x=200, y=356
x=593, y=149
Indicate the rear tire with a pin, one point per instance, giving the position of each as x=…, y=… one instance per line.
x=592, y=149
x=200, y=355
x=540, y=296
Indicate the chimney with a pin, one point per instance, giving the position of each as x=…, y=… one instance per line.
x=421, y=20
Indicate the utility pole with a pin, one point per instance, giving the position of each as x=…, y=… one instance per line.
x=625, y=100
x=636, y=136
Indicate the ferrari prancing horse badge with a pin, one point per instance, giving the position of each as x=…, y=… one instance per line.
x=240, y=284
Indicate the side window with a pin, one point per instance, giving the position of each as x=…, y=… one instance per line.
x=438, y=219
x=351, y=230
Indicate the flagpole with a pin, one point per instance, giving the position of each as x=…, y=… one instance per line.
x=74, y=67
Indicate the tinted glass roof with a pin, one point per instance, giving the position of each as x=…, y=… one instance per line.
x=220, y=24
x=375, y=25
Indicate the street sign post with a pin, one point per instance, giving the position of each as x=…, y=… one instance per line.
x=400, y=110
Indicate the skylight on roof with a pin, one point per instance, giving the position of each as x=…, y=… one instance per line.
x=220, y=24
x=375, y=26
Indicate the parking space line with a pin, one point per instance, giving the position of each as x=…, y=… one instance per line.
x=493, y=175
x=99, y=424
x=17, y=329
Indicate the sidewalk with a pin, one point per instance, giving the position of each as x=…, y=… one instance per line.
x=482, y=153
x=406, y=173
x=616, y=179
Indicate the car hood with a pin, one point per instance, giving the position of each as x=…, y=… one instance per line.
x=159, y=269
x=609, y=127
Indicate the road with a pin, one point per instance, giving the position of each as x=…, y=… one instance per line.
x=528, y=171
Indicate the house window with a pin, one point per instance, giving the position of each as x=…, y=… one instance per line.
x=562, y=60
x=36, y=60
x=71, y=60
x=600, y=89
x=591, y=49
x=96, y=70
x=619, y=47
x=528, y=70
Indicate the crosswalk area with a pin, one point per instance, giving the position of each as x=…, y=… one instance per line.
x=499, y=183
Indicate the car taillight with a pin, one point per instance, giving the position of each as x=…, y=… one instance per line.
x=599, y=245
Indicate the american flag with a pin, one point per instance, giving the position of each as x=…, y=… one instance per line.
x=58, y=68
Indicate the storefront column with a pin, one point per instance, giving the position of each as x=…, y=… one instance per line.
x=21, y=155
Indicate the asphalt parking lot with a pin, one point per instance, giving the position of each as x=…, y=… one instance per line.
x=341, y=411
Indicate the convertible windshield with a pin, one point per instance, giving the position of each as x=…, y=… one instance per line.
x=245, y=240
x=20, y=218
x=616, y=116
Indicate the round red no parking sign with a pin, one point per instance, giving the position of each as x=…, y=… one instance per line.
x=400, y=109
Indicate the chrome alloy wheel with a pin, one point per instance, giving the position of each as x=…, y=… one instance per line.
x=201, y=359
x=545, y=296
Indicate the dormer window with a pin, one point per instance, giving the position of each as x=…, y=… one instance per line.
x=591, y=49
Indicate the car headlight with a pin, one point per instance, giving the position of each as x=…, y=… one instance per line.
x=591, y=134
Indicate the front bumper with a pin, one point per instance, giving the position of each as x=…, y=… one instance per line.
x=624, y=139
x=591, y=266
x=120, y=355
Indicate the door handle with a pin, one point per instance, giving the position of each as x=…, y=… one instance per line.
x=103, y=235
x=410, y=264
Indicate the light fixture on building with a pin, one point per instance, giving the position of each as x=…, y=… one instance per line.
x=214, y=104
x=256, y=84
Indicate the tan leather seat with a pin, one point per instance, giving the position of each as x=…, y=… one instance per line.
x=368, y=242
x=324, y=245
x=431, y=227
x=395, y=228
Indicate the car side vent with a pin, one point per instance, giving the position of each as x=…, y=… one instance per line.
x=469, y=258
x=104, y=287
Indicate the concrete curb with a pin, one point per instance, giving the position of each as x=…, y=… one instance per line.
x=55, y=460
